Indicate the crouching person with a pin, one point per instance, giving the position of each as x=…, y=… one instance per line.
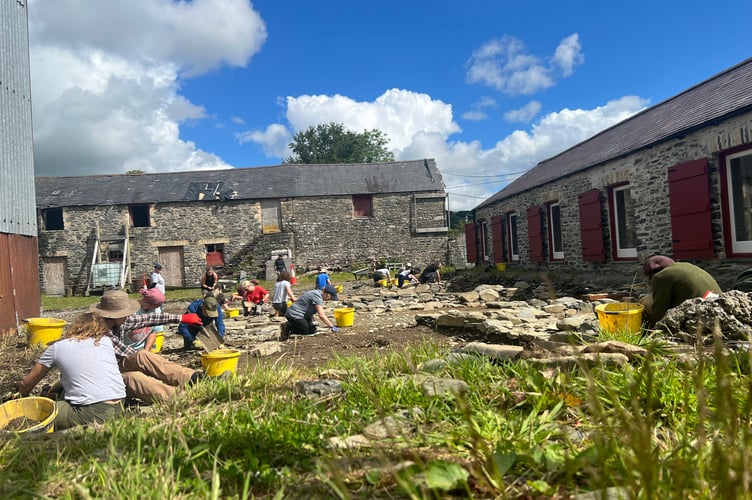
x=92, y=387
x=300, y=314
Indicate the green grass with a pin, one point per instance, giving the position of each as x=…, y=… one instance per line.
x=660, y=428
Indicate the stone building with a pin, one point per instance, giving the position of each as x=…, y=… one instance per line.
x=334, y=215
x=674, y=179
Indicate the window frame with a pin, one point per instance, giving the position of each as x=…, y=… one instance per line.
x=271, y=216
x=555, y=233
x=619, y=252
x=53, y=216
x=139, y=212
x=737, y=248
x=483, y=240
x=357, y=199
x=512, y=236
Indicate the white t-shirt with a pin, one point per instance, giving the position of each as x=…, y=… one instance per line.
x=158, y=281
x=89, y=373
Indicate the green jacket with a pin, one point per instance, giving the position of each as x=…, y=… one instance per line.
x=677, y=283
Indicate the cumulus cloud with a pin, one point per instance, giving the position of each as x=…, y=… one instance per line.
x=523, y=114
x=505, y=65
x=105, y=80
x=274, y=140
x=421, y=127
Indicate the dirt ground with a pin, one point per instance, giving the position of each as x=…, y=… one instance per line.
x=371, y=335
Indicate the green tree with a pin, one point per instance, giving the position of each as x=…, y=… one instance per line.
x=333, y=143
x=134, y=172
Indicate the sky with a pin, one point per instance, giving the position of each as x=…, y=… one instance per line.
x=486, y=88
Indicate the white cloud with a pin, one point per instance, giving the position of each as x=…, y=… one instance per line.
x=477, y=113
x=569, y=54
x=421, y=127
x=274, y=140
x=503, y=64
x=105, y=79
x=523, y=114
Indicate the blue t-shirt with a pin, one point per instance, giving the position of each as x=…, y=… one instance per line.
x=321, y=281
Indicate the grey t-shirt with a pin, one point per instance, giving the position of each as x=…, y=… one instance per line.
x=305, y=306
x=89, y=373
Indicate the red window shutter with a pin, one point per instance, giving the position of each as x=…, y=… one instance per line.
x=591, y=226
x=689, y=201
x=535, y=234
x=470, y=243
x=215, y=259
x=497, y=238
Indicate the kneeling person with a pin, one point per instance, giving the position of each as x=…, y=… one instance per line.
x=300, y=314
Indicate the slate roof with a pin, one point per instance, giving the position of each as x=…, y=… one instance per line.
x=282, y=181
x=721, y=96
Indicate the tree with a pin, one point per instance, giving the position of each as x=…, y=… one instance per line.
x=332, y=143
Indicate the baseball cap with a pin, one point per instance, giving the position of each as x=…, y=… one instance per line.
x=157, y=265
x=210, y=307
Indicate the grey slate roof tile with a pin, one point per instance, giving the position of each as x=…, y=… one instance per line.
x=282, y=181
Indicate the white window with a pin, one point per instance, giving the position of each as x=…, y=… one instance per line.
x=624, y=226
x=554, y=224
x=739, y=187
x=514, y=249
x=483, y=243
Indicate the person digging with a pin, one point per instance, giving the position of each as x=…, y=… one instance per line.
x=209, y=313
x=300, y=314
x=148, y=376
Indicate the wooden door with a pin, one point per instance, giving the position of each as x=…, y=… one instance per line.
x=54, y=275
x=173, y=266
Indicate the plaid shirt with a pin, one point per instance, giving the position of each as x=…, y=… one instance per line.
x=134, y=322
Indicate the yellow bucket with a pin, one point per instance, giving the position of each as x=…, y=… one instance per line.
x=620, y=316
x=218, y=361
x=344, y=316
x=158, y=342
x=42, y=331
x=40, y=412
x=501, y=266
x=382, y=283
x=339, y=288
x=232, y=312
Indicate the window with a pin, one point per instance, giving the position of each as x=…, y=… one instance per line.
x=215, y=254
x=483, y=242
x=514, y=249
x=362, y=205
x=53, y=219
x=554, y=231
x=738, y=169
x=622, y=207
x=271, y=216
x=140, y=216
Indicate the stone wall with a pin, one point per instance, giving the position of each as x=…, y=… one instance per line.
x=646, y=171
x=318, y=231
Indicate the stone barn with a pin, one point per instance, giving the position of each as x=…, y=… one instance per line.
x=674, y=179
x=108, y=230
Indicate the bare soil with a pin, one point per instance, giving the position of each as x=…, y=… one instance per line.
x=371, y=334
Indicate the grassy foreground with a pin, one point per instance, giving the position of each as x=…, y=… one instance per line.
x=657, y=429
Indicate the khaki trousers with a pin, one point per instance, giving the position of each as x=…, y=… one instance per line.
x=150, y=377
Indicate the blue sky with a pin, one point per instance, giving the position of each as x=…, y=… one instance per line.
x=487, y=88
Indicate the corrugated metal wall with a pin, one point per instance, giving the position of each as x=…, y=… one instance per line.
x=19, y=263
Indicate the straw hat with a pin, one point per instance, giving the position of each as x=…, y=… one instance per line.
x=115, y=304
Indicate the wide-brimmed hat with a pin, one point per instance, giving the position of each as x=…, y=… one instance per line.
x=115, y=304
x=210, y=307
